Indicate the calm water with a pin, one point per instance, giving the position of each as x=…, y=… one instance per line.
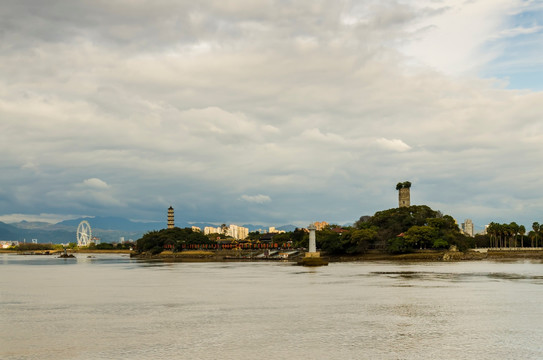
x=112, y=307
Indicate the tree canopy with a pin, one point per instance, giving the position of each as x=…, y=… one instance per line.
x=155, y=241
x=403, y=185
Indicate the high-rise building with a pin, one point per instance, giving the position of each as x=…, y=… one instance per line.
x=467, y=227
x=237, y=232
x=171, y=223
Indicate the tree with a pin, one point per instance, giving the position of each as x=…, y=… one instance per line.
x=421, y=236
x=513, y=232
x=536, y=227
x=155, y=241
x=403, y=185
x=522, y=231
x=360, y=240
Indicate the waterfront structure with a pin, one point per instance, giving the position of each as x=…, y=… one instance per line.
x=467, y=227
x=171, y=223
x=312, y=256
x=404, y=194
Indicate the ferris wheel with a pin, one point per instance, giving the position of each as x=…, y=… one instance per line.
x=84, y=233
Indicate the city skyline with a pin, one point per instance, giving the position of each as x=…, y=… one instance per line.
x=268, y=113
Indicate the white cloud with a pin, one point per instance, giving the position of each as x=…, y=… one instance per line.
x=95, y=183
x=49, y=218
x=393, y=144
x=194, y=105
x=453, y=36
x=257, y=199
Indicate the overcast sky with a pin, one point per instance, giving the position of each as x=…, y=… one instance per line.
x=270, y=112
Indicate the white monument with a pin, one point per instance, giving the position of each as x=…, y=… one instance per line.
x=312, y=257
x=312, y=241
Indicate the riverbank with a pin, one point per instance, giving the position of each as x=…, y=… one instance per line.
x=435, y=255
x=421, y=255
x=58, y=252
x=258, y=255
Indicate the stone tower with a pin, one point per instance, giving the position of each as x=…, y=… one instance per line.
x=404, y=194
x=171, y=223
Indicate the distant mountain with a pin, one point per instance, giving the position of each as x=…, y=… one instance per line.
x=108, y=229
x=32, y=225
x=115, y=223
x=287, y=228
x=8, y=232
x=26, y=231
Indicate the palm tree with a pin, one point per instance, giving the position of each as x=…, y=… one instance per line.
x=492, y=231
x=514, y=228
x=522, y=231
x=536, y=227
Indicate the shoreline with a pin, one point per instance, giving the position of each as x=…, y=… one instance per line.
x=251, y=256
x=423, y=255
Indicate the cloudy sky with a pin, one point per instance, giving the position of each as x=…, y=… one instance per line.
x=272, y=112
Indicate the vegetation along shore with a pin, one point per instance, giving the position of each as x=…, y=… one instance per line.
x=410, y=233
x=413, y=233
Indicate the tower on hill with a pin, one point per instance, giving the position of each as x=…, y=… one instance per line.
x=171, y=223
x=404, y=194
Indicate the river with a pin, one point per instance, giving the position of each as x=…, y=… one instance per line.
x=113, y=307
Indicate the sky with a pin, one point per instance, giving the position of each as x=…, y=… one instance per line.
x=270, y=111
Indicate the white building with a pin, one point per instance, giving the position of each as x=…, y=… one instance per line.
x=212, y=230
x=237, y=232
x=467, y=227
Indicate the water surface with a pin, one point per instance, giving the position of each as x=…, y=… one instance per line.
x=112, y=307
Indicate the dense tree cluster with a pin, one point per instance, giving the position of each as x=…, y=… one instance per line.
x=415, y=227
x=512, y=235
x=397, y=230
x=156, y=241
